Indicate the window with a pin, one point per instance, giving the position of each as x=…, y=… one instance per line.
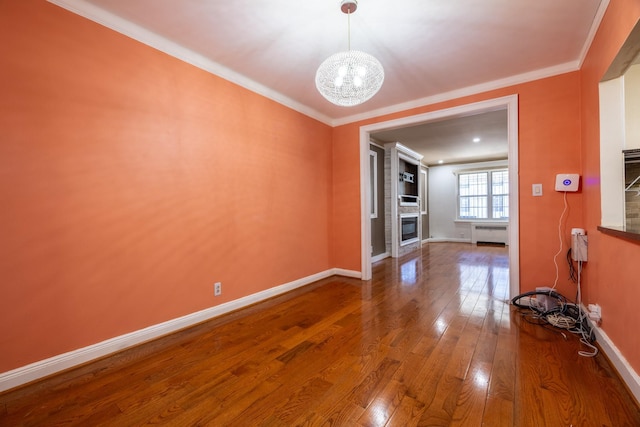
x=483, y=195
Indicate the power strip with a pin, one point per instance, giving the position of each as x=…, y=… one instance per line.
x=545, y=302
x=529, y=302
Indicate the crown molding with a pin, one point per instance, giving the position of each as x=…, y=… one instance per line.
x=530, y=76
x=149, y=38
x=597, y=20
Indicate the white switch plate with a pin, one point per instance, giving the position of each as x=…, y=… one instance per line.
x=536, y=190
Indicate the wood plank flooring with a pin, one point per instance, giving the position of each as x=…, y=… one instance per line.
x=429, y=341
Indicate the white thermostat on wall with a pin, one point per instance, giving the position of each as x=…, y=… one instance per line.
x=567, y=182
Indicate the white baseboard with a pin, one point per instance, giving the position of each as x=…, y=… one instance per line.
x=346, y=273
x=380, y=257
x=43, y=368
x=627, y=373
x=447, y=239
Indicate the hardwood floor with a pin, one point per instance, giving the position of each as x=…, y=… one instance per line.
x=429, y=341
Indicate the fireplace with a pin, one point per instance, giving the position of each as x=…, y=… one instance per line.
x=408, y=228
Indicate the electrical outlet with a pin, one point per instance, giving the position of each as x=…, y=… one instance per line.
x=595, y=312
x=217, y=289
x=536, y=190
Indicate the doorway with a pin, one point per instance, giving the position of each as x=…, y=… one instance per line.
x=510, y=103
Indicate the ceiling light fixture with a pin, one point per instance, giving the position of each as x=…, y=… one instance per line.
x=352, y=77
x=476, y=139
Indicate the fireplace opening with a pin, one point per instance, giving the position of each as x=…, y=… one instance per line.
x=409, y=228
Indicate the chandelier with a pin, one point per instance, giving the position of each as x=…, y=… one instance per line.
x=352, y=77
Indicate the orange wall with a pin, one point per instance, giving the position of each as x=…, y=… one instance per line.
x=130, y=182
x=549, y=143
x=558, y=132
x=612, y=271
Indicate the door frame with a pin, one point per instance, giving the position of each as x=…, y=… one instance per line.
x=510, y=103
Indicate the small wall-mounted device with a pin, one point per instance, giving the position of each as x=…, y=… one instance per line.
x=579, y=244
x=567, y=182
x=406, y=177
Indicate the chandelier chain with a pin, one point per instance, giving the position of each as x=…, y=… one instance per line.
x=349, y=30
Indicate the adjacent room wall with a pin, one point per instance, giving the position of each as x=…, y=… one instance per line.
x=611, y=274
x=443, y=190
x=378, y=241
x=130, y=182
x=549, y=143
x=558, y=133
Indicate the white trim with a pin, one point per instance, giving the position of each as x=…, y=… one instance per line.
x=406, y=153
x=136, y=32
x=620, y=363
x=395, y=238
x=422, y=189
x=461, y=93
x=602, y=8
x=612, y=142
x=52, y=365
x=374, y=179
x=410, y=241
x=346, y=273
x=380, y=257
x=514, y=206
x=372, y=142
x=511, y=103
x=365, y=205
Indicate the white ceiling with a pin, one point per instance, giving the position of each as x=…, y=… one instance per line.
x=430, y=49
x=478, y=137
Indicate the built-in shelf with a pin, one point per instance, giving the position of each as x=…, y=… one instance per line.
x=406, y=200
x=621, y=232
x=405, y=221
x=408, y=185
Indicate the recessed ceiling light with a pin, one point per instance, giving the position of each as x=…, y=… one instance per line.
x=440, y=162
x=476, y=139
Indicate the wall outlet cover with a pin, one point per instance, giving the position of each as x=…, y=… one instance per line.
x=536, y=190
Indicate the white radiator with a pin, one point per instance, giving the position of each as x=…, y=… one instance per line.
x=487, y=232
